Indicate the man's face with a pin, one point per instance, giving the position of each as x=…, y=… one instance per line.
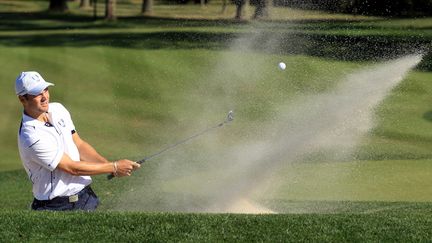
x=35, y=104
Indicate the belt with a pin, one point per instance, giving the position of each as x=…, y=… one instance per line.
x=66, y=199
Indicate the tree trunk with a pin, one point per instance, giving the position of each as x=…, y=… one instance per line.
x=224, y=6
x=147, y=7
x=411, y=11
x=84, y=4
x=202, y=3
x=94, y=3
x=353, y=6
x=58, y=6
x=239, y=9
x=261, y=10
x=110, y=9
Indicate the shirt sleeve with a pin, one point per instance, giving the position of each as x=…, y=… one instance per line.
x=69, y=122
x=46, y=153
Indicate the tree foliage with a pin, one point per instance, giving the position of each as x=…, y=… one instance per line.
x=367, y=7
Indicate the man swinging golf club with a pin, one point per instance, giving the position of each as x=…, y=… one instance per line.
x=58, y=162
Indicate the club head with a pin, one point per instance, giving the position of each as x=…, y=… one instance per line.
x=230, y=116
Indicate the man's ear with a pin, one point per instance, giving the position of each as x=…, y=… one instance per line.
x=22, y=98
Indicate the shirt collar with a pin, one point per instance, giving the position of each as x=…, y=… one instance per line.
x=32, y=121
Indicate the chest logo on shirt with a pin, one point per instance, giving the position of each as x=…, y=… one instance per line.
x=62, y=123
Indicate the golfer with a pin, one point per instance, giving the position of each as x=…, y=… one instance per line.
x=58, y=162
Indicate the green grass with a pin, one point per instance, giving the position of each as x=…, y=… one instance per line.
x=355, y=181
x=394, y=226
x=403, y=131
x=138, y=84
x=130, y=102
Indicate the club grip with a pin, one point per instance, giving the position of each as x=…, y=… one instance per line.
x=110, y=176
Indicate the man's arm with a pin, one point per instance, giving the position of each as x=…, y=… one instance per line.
x=78, y=168
x=87, y=152
x=92, y=163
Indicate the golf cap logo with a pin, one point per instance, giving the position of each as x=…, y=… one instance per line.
x=36, y=77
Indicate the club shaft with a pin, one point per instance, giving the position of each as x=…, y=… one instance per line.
x=179, y=142
x=110, y=176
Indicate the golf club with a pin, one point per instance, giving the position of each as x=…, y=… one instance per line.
x=229, y=118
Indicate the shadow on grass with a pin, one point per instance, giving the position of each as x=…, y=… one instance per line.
x=273, y=36
x=37, y=21
x=43, y=15
x=22, y=21
x=350, y=48
x=428, y=116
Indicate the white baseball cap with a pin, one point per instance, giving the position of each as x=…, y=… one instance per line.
x=30, y=82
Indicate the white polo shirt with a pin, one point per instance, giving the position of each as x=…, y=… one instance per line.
x=41, y=147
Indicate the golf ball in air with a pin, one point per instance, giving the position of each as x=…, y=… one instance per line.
x=282, y=65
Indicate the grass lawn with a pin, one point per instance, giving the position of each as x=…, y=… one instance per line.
x=134, y=113
x=138, y=84
x=401, y=226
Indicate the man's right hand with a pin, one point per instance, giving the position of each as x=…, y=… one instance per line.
x=125, y=167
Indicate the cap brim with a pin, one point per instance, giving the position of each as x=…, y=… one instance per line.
x=38, y=89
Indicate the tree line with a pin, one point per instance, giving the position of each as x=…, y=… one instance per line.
x=394, y=8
